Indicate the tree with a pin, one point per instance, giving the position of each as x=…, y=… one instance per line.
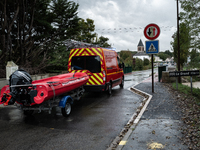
x=125, y=54
x=7, y=18
x=138, y=64
x=193, y=54
x=32, y=32
x=103, y=41
x=65, y=26
x=184, y=44
x=32, y=25
x=195, y=59
x=168, y=53
x=146, y=62
x=191, y=16
x=85, y=33
x=163, y=56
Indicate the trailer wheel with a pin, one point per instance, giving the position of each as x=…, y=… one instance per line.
x=109, y=89
x=28, y=112
x=67, y=109
x=122, y=83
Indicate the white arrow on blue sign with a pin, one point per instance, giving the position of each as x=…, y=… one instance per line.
x=152, y=47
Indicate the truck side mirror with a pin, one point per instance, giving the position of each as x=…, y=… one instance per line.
x=121, y=65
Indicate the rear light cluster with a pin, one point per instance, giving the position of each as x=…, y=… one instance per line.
x=104, y=76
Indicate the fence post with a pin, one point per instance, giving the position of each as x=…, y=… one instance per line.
x=10, y=68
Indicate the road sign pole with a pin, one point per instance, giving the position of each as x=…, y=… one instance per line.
x=191, y=83
x=152, y=73
x=179, y=78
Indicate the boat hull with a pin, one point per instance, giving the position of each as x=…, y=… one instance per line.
x=48, y=88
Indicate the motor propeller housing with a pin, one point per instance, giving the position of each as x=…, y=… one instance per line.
x=18, y=92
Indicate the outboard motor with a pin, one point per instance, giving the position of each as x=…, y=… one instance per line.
x=19, y=83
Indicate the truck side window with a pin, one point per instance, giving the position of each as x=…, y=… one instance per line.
x=118, y=61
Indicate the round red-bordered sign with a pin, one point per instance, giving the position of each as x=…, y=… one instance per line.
x=151, y=31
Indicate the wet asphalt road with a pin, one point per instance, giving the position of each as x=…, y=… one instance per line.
x=95, y=121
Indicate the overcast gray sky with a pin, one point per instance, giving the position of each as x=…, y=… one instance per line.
x=123, y=21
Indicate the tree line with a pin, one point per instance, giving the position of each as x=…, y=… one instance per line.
x=32, y=33
x=126, y=56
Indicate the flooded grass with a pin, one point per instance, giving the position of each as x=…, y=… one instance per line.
x=187, y=90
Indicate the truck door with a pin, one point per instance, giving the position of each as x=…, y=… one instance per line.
x=120, y=70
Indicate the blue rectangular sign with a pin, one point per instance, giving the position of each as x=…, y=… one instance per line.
x=152, y=47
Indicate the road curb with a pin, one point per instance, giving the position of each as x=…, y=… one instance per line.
x=119, y=142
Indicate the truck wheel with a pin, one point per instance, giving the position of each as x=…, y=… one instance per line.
x=66, y=110
x=109, y=89
x=28, y=112
x=122, y=83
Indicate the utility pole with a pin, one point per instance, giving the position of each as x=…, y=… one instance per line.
x=178, y=18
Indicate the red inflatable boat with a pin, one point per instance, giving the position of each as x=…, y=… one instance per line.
x=23, y=90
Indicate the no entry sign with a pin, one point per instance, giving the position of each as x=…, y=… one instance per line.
x=151, y=31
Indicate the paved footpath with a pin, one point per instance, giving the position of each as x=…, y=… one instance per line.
x=160, y=125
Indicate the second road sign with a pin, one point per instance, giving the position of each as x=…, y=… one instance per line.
x=152, y=47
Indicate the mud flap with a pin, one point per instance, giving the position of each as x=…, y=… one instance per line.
x=64, y=100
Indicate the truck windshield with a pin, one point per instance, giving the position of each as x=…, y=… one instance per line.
x=91, y=63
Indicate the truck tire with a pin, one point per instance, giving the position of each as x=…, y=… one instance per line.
x=66, y=111
x=122, y=83
x=109, y=89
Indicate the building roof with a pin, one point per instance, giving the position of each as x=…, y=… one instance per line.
x=141, y=54
x=140, y=43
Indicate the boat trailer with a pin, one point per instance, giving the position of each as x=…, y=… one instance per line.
x=64, y=102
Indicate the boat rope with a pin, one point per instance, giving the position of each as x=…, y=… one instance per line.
x=31, y=85
x=74, y=74
x=25, y=85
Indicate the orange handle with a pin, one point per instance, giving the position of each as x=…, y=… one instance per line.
x=8, y=96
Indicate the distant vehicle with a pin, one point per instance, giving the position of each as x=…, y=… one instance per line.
x=165, y=64
x=100, y=64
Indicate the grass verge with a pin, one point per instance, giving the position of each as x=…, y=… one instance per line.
x=187, y=90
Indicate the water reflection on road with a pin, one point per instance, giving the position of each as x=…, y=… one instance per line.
x=137, y=77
